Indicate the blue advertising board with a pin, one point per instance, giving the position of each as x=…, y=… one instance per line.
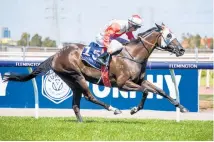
x=54, y=93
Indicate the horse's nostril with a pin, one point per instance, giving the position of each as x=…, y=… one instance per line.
x=182, y=50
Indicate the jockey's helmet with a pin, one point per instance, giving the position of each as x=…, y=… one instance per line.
x=136, y=21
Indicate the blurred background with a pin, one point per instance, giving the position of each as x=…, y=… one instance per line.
x=45, y=23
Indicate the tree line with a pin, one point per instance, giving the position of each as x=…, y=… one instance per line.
x=192, y=41
x=36, y=40
x=188, y=41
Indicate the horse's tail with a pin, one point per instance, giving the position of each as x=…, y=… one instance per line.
x=44, y=67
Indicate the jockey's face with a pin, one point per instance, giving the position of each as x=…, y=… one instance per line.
x=133, y=27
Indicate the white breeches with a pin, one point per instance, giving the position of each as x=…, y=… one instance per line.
x=114, y=45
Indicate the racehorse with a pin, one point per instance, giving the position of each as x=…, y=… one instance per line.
x=126, y=69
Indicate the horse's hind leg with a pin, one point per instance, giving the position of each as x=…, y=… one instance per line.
x=77, y=95
x=152, y=88
x=77, y=82
x=87, y=94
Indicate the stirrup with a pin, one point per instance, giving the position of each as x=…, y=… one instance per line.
x=101, y=61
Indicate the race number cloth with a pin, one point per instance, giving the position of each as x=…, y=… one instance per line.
x=90, y=54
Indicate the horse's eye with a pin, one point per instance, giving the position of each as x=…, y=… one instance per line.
x=169, y=35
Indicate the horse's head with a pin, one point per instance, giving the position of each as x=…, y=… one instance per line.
x=168, y=41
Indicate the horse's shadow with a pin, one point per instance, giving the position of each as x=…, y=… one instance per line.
x=106, y=121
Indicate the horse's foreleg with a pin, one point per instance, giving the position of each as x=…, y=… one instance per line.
x=131, y=86
x=152, y=88
x=140, y=105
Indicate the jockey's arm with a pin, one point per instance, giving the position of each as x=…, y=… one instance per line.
x=130, y=36
x=110, y=31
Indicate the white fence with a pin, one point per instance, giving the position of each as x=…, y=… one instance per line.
x=156, y=56
x=40, y=54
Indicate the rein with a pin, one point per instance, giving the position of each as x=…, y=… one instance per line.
x=131, y=59
x=142, y=40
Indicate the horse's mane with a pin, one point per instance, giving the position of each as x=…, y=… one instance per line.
x=147, y=32
x=143, y=34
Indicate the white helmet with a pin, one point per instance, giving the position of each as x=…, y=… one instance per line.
x=136, y=20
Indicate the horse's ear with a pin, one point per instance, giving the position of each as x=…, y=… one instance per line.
x=158, y=26
x=163, y=24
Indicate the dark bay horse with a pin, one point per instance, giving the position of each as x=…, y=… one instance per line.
x=126, y=69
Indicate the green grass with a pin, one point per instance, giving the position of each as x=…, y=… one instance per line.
x=28, y=128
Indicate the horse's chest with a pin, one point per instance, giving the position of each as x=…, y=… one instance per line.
x=134, y=71
x=135, y=75
x=125, y=69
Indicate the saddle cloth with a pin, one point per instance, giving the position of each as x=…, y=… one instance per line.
x=90, y=54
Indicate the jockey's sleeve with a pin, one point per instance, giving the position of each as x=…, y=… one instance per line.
x=130, y=35
x=110, y=31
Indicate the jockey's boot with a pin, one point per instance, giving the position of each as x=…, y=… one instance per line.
x=103, y=58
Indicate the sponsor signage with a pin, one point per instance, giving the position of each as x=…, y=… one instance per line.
x=54, y=93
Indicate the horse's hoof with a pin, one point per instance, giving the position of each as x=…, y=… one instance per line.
x=79, y=121
x=79, y=118
x=184, y=110
x=133, y=110
x=117, y=111
x=5, y=78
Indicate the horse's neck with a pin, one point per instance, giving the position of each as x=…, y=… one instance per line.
x=139, y=52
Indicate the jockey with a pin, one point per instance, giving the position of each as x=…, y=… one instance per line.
x=109, y=37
